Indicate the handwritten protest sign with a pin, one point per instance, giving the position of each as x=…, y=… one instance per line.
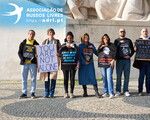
x=143, y=50
x=47, y=58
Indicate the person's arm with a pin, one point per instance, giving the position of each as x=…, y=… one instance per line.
x=20, y=52
x=132, y=49
x=115, y=52
x=135, y=47
x=78, y=58
x=83, y=61
x=61, y=47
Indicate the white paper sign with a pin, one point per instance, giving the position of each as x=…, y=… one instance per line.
x=47, y=58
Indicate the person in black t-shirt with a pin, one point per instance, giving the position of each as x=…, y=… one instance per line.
x=106, y=59
x=125, y=51
x=70, y=62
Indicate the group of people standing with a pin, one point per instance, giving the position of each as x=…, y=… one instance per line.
x=82, y=60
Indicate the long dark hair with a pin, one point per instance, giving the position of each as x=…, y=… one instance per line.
x=69, y=33
x=102, y=40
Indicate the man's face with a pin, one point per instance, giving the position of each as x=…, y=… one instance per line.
x=122, y=32
x=31, y=35
x=144, y=32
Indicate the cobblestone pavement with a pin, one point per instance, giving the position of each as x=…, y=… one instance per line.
x=90, y=108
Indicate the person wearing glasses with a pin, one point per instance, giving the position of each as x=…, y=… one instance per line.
x=125, y=51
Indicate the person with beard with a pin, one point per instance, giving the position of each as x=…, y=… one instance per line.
x=125, y=51
x=106, y=59
x=70, y=62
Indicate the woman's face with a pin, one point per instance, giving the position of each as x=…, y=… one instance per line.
x=105, y=40
x=69, y=39
x=51, y=34
x=86, y=38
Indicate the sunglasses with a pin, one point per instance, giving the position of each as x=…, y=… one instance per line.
x=122, y=31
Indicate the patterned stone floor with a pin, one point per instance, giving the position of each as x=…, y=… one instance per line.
x=90, y=108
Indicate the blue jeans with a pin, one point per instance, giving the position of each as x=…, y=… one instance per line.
x=108, y=80
x=33, y=72
x=123, y=65
x=144, y=71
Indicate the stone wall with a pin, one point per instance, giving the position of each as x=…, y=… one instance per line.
x=96, y=28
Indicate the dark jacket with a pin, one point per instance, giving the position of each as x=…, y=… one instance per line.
x=69, y=64
x=106, y=55
x=20, y=52
x=125, y=49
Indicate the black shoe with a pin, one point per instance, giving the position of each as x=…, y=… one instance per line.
x=97, y=95
x=33, y=95
x=23, y=96
x=85, y=94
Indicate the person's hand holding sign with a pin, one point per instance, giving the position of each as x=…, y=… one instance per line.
x=91, y=47
x=77, y=67
x=122, y=41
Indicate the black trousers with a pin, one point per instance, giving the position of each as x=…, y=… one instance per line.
x=94, y=87
x=66, y=79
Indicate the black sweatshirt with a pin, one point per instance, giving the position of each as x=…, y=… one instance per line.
x=106, y=55
x=124, y=49
x=70, y=57
x=20, y=52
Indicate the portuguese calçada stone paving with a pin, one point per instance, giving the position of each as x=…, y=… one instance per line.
x=85, y=108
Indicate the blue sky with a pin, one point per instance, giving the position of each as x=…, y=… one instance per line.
x=30, y=18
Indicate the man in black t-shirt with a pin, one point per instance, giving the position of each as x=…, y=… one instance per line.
x=125, y=50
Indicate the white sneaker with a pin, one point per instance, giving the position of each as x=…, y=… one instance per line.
x=71, y=95
x=117, y=94
x=105, y=95
x=140, y=94
x=127, y=94
x=111, y=96
x=66, y=95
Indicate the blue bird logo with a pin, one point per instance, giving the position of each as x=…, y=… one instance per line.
x=17, y=12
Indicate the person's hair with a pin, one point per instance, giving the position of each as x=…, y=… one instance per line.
x=51, y=30
x=32, y=31
x=102, y=40
x=69, y=33
x=82, y=37
x=144, y=29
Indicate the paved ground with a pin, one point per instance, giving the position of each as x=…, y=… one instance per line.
x=91, y=108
